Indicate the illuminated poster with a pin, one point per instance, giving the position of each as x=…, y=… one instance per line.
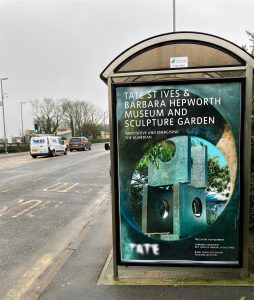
x=178, y=173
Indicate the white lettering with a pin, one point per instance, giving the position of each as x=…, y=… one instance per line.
x=145, y=248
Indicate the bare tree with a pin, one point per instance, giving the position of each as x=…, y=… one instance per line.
x=69, y=116
x=82, y=117
x=250, y=49
x=94, y=122
x=96, y=116
x=48, y=114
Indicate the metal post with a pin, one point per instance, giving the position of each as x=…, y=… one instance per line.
x=246, y=167
x=22, y=130
x=174, y=15
x=113, y=183
x=2, y=96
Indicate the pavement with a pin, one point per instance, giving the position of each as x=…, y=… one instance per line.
x=80, y=277
x=15, y=154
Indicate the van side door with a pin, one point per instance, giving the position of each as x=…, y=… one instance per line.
x=61, y=145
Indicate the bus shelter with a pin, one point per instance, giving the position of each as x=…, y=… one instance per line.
x=180, y=123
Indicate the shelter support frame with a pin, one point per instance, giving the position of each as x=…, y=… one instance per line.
x=110, y=75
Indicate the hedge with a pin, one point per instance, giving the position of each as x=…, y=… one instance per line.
x=17, y=147
x=95, y=141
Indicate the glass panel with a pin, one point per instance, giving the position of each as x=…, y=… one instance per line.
x=74, y=140
x=198, y=56
x=182, y=76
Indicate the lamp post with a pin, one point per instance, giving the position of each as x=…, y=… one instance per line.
x=2, y=96
x=174, y=16
x=22, y=130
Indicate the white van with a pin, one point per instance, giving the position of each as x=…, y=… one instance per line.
x=47, y=146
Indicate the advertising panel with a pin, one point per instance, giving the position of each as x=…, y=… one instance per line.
x=178, y=173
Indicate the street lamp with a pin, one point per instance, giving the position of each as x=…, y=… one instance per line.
x=22, y=131
x=174, y=16
x=2, y=96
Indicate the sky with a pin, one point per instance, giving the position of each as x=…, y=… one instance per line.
x=58, y=48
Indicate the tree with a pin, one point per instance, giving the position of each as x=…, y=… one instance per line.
x=82, y=117
x=250, y=49
x=94, y=122
x=163, y=151
x=85, y=118
x=81, y=109
x=92, y=130
x=218, y=177
x=68, y=118
x=48, y=114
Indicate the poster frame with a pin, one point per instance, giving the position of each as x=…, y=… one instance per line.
x=115, y=173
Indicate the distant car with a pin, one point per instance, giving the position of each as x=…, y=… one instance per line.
x=79, y=143
x=47, y=146
x=107, y=146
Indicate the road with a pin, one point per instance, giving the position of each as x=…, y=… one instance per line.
x=55, y=233
x=45, y=203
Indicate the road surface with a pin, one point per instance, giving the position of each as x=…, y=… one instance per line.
x=45, y=203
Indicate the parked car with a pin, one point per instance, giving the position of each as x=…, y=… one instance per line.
x=47, y=146
x=79, y=143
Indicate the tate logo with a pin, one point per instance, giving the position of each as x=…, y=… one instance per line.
x=145, y=248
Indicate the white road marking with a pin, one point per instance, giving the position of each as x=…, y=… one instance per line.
x=37, y=179
x=36, y=203
x=84, y=192
x=66, y=190
x=52, y=187
x=33, y=206
x=61, y=187
x=7, y=188
x=59, y=203
x=2, y=210
x=5, y=211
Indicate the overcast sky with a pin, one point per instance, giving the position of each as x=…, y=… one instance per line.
x=59, y=48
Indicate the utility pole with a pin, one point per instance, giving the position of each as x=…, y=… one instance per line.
x=22, y=130
x=174, y=15
x=2, y=96
x=104, y=124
